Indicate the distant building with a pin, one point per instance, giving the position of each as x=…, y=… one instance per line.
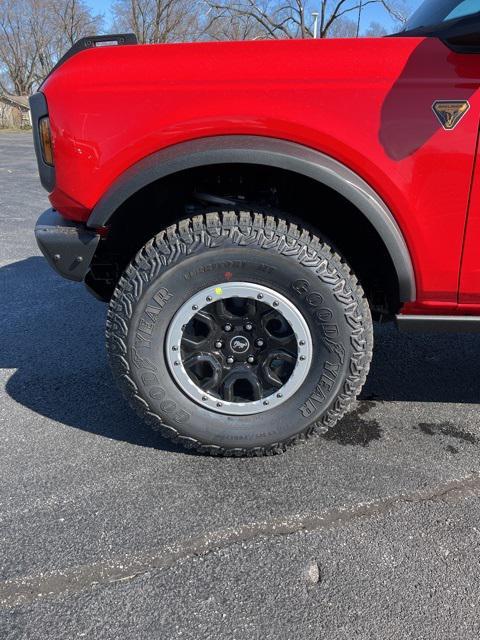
x=14, y=112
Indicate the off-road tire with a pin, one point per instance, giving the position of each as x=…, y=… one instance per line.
x=254, y=247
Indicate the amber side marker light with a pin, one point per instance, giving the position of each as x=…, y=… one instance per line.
x=46, y=140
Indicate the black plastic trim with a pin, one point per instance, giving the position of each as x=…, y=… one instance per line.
x=90, y=42
x=461, y=35
x=445, y=324
x=68, y=246
x=39, y=109
x=274, y=153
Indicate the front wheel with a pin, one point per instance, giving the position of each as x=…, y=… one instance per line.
x=239, y=334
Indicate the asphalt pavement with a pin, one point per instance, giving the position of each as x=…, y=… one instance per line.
x=107, y=531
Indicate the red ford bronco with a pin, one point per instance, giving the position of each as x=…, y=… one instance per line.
x=247, y=208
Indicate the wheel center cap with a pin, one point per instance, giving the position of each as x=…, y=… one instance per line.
x=239, y=344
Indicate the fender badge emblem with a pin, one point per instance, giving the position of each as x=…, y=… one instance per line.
x=450, y=112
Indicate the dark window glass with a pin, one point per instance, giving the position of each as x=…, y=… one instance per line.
x=434, y=12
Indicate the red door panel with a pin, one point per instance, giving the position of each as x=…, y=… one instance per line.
x=470, y=277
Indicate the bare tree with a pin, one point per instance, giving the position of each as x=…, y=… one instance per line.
x=223, y=26
x=375, y=30
x=74, y=20
x=398, y=10
x=288, y=18
x=33, y=36
x=283, y=19
x=343, y=28
x=69, y=20
x=35, y=33
x=155, y=21
x=18, y=53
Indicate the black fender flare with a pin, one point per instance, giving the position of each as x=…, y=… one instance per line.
x=272, y=152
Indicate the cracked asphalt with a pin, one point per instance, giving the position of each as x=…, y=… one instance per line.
x=107, y=532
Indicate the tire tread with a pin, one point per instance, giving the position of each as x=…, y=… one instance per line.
x=245, y=227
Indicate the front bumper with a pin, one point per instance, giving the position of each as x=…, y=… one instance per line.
x=68, y=246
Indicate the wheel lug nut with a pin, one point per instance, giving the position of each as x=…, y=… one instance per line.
x=227, y=327
x=230, y=360
x=275, y=304
x=195, y=307
x=218, y=344
x=302, y=343
x=250, y=359
x=260, y=296
x=259, y=342
x=209, y=298
x=248, y=326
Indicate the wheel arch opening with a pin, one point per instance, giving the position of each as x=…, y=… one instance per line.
x=301, y=199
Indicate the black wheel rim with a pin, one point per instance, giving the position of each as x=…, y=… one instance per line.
x=239, y=348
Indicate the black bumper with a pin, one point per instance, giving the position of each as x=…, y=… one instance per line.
x=68, y=246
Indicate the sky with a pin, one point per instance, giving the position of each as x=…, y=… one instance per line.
x=371, y=13
x=376, y=13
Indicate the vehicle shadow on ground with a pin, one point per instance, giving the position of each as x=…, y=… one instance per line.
x=52, y=337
